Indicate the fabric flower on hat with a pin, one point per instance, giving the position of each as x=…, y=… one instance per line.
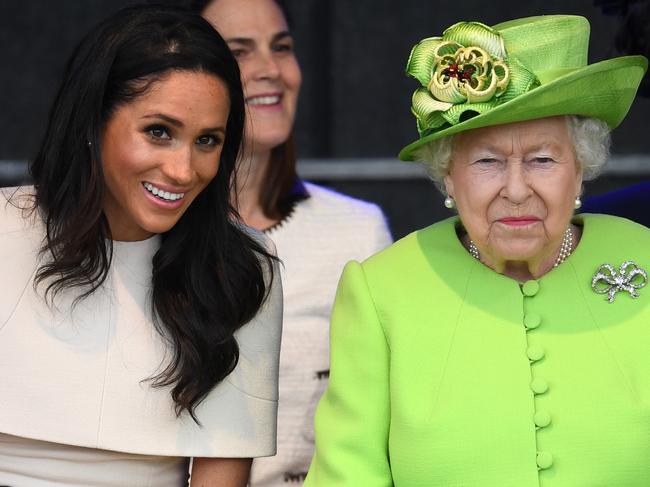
x=465, y=72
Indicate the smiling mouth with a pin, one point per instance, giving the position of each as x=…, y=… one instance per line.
x=265, y=100
x=162, y=194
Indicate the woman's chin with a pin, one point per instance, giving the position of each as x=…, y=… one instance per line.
x=518, y=253
x=265, y=140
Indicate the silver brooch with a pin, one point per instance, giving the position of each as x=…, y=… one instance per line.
x=629, y=277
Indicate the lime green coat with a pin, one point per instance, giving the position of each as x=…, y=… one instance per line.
x=445, y=373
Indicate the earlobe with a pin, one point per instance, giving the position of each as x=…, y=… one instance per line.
x=449, y=185
x=579, y=189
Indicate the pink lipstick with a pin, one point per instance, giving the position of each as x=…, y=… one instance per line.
x=519, y=221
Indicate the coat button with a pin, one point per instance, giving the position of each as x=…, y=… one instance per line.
x=539, y=385
x=530, y=288
x=542, y=419
x=544, y=460
x=532, y=320
x=535, y=353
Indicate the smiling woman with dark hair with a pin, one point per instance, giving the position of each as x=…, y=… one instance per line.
x=140, y=324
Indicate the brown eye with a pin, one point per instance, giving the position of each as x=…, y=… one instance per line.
x=283, y=47
x=237, y=53
x=208, y=140
x=158, y=132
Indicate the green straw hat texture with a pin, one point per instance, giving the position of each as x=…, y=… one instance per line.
x=476, y=76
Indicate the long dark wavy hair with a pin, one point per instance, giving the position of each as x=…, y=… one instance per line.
x=282, y=188
x=209, y=277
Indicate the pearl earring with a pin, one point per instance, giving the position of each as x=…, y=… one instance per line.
x=577, y=203
x=449, y=202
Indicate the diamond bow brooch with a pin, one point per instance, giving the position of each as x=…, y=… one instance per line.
x=629, y=277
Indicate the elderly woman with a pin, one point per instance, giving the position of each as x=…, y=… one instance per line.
x=516, y=351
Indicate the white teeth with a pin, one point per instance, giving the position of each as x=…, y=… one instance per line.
x=163, y=195
x=263, y=100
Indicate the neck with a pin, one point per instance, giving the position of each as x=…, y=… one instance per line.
x=535, y=268
x=250, y=183
x=524, y=271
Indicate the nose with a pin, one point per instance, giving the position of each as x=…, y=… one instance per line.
x=516, y=187
x=178, y=167
x=266, y=66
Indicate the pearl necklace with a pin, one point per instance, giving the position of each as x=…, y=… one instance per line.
x=565, y=248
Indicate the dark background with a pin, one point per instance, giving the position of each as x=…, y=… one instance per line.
x=355, y=98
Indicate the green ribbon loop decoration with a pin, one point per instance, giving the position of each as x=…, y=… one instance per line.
x=463, y=73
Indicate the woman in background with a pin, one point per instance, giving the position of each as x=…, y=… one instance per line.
x=139, y=323
x=316, y=230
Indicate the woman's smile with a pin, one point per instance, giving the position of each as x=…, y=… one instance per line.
x=265, y=101
x=159, y=196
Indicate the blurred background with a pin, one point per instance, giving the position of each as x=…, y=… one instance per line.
x=354, y=107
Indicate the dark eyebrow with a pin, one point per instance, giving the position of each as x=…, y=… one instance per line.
x=250, y=42
x=221, y=130
x=241, y=40
x=166, y=118
x=179, y=124
x=281, y=35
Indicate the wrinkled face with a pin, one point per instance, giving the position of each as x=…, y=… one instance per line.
x=515, y=187
x=160, y=151
x=257, y=34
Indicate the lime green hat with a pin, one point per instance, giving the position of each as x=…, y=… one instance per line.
x=476, y=76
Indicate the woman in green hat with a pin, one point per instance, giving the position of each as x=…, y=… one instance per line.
x=508, y=345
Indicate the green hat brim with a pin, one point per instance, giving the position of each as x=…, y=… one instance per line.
x=603, y=90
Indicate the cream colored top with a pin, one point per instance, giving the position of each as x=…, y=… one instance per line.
x=34, y=463
x=77, y=376
x=322, y=234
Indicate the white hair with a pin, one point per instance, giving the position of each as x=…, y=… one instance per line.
x=591, y=142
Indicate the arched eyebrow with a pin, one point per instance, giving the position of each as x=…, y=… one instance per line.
x=281, y=35
x=178, y=123
x=247, y=41
x=170, y=120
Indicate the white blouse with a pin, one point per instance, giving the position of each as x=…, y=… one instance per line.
x=33, y=463
x=314, y=243
x=77, y=375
